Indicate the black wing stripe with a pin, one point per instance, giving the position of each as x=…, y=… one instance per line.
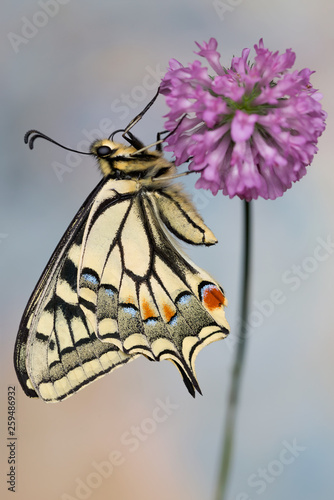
x=37, y=294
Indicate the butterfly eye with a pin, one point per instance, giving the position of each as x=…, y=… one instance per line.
x=103, y=151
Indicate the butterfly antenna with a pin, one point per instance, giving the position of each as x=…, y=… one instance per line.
x=31, y=136
x=131, y=139
x=128, y=136
x=111, y=136
x=141, y=114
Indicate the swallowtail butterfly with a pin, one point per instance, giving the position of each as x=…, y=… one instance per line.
x=116, y=286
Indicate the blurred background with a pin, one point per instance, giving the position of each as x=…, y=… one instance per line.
x=76, y=69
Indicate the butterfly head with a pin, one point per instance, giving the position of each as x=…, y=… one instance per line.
x=121, y=161
x=111, y=156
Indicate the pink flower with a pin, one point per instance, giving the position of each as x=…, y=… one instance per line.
x=250, y=130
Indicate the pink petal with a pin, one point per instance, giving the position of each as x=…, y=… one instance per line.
x=242, y=126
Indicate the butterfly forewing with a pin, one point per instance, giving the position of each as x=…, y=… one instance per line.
x=63, y=353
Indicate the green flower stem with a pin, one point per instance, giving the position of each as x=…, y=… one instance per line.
x=229, y=431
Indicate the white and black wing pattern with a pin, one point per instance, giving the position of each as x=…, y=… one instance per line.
x=117, y=287
x=137, y=290
x=57, y=351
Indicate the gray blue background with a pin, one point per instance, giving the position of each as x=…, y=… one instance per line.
x=72, y=74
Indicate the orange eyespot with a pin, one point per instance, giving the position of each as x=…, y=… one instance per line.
x=212, y=297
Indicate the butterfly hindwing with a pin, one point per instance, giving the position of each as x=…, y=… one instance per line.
x=141, y=293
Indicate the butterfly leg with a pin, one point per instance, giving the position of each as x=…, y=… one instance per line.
x=159, y=141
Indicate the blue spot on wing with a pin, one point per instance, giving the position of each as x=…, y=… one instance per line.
x=184, y=299
x=92, y=279
x=109, y=292
x=151, y=321
x=130, y=310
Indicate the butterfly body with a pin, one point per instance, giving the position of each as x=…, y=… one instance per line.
x=116, y=286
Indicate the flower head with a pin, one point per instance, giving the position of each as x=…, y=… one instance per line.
x=250, y=130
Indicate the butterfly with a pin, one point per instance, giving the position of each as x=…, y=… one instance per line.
x=117, y=286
